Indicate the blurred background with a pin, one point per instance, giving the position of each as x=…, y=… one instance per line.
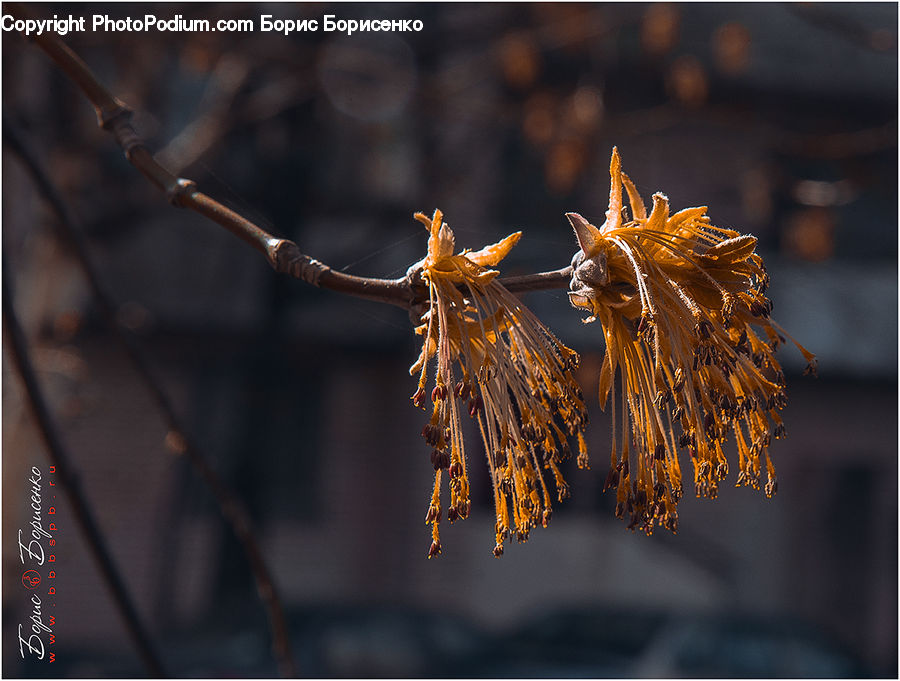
x=781, y=118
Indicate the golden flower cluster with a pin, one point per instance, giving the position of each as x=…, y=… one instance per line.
x=497, y=363
x=686, y=322
x=688, y=338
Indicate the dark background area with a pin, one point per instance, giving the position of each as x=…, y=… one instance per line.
x=780, y=118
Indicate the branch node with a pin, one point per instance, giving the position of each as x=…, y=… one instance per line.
x=287, y=258
x=178, y=190
x=418, y=293
x=117, y=120
x=119, y=114
x=312, y=270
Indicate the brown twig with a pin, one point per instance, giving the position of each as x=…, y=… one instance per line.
x=68, y=480
x=541, y=281
x=282, y=254
x=230, y=507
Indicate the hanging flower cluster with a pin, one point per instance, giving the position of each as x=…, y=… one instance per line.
x=686, y=323
x=497, y=363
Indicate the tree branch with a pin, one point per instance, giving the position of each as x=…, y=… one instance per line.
x=541, y=281
x=68, y=480
x=282, y=254
x=230, y=507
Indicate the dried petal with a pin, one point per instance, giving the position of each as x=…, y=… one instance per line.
x=490, y=256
